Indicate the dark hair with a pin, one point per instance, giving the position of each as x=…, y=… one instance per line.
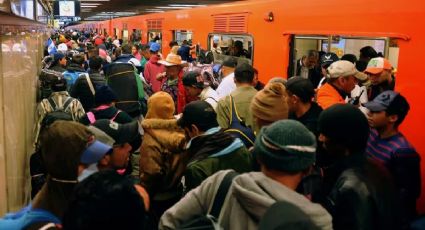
x=244, y=73
x=95, y=62
x=126, y=49
x=400, y=107
x=137, y=46
x=368, y=52
x=144, y=47
x=105, y=200
x=78, y=59
x=238, y=44
x=349, y=57
x=312, y=53
x=118, y=51
x=185, y=42
x=173, y=43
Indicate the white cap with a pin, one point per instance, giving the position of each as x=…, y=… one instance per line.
x=344, y=69
x=62, y=47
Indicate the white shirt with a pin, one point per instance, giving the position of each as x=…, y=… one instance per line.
x=210, y=96
x=363, y=98
x=226, y=86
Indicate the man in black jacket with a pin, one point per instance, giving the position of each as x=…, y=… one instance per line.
x=359, y=192
x=82, y=89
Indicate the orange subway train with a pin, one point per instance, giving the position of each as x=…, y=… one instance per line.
x=276, y=33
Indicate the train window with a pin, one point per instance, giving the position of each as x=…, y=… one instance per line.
x=231, y=45
x=181, y=35
x=340, y=45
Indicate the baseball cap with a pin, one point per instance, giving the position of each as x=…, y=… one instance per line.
x=344, y=69
x=62, y=47
x=327, y=59
x=193, y=78
x=154, y=47
x=94, y=152
x=377, y=65
x=121, y=133
x=382, y=101
x=199, y=113
x=301, y=87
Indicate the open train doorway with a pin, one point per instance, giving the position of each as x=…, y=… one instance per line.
x=301, y=45
x=181, y=35
x=155, y=36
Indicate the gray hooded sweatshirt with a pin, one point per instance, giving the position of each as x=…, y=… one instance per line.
x=250, y=195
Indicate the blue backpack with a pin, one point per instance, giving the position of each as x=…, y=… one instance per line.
x=27, y=217
x=238, y=129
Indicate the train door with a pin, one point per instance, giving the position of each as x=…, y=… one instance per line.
x=155, y=36
x=340, y=45
x=154, y=31
x=124, y=33
x=238, y=46
x=136, y=36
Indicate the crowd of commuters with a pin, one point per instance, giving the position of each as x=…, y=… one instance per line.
x=129, y=138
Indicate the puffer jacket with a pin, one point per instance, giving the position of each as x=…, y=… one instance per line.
x=248, y=198
x=162, y=159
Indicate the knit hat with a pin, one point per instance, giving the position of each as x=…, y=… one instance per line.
x=160, y=105
x=58, y=56
x=104, y=95
x=286, y=145
x=58, y=84
x=269, y=104
x=346, y=125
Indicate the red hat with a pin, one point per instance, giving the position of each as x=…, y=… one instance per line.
x=98, y=41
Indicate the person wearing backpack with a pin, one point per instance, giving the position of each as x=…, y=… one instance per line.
x=105, y=108
x=66, y=145
x=59, y=106
x=84, y=88
x=233, y=111
x=74, y=70
x=210, y=148
x=286, y=152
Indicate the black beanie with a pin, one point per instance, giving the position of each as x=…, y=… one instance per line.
x=346, y=125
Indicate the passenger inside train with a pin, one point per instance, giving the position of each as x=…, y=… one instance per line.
x=132, y=135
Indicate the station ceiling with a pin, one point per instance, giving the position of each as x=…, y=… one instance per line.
x=94, y=10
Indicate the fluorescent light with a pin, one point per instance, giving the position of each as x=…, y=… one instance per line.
x=172, y=7
x=185, y=5
x=88, y=6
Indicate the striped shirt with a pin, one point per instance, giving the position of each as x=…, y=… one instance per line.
x=384, y=150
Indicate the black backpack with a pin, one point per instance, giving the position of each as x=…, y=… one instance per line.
x=209, y=221
x=238, y=129
x=58, y=113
